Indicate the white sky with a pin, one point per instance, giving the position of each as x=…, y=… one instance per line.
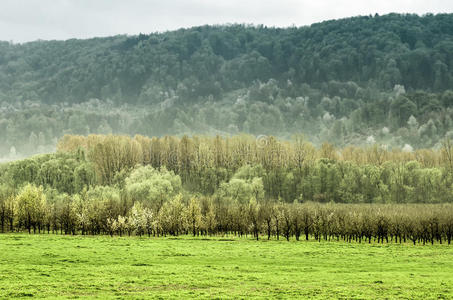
x=27, y=20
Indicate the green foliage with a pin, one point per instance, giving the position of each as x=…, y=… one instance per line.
x=242, y=190
x=152, y=186
x=31, y=204
x=236, y=169
x=201, y=61
x=340, y=81
x=171, y=217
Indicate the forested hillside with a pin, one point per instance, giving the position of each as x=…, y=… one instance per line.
x=373, y=79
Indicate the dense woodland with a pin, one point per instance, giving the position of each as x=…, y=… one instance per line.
x=105, y=184
x=356, y=81
x=361, y=110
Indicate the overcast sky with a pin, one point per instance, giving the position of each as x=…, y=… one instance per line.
x=27, y=20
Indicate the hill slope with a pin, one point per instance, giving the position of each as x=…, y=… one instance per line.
x=414, y=51
x=341, y=80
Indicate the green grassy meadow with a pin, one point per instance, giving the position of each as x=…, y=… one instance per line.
x=53, y=266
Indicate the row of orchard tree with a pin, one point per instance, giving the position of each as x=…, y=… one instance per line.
x=285, y=169
x=104, y=211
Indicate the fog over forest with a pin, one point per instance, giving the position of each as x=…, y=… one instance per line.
x=354, y=81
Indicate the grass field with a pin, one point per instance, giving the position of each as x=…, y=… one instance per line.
x=131, y=267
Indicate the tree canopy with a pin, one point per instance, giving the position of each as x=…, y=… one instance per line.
x=343, y=81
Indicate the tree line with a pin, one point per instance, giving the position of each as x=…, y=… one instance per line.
x=277, y=169
x=93, y=214
x=343, y=114
x=241, y=185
